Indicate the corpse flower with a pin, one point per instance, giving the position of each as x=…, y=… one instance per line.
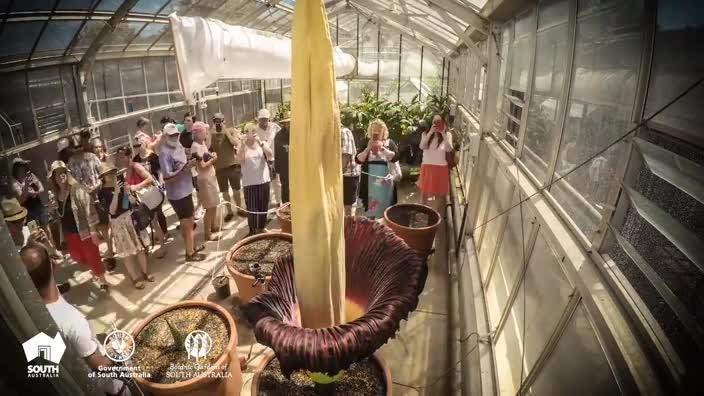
x=384, y=278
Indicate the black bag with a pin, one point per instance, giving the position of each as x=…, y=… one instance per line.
x=141, y=217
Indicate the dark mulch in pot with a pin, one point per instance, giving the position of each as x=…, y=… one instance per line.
x=409, y=217
x=362, y=379
x=156, y=350
x=262, y=251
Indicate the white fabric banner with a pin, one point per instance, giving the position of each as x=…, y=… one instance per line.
x=208, y=50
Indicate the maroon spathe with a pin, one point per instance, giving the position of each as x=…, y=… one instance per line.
x=383, y=275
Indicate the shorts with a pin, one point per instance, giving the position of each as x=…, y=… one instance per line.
x=208, y=192
x=229, y=176
x=183, y=207
x=84, y=251
x=350, y=190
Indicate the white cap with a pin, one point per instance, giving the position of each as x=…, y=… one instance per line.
x=62, y=144
x=264, y=113
x=170, y=129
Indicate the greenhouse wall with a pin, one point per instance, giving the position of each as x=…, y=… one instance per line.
x=604, y=266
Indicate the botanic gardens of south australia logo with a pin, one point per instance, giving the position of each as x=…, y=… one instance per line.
x=43, y=355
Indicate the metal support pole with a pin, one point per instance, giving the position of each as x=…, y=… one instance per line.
x=281, y=85
x=442, y=76
x=420, y=84
x=357, y=57
x=337, y=30
x=398, y=85
x=378, y=58
x=262, y=92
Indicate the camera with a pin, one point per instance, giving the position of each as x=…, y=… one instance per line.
x=195, y=156
x=120, y=178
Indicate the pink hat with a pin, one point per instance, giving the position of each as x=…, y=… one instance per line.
x=199, y=125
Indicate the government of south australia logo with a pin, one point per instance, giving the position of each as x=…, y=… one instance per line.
x=198, y=344
x=49, y=350
x=119, y=346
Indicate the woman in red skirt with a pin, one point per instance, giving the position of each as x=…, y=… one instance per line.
x=79, y=221
x=434, y=178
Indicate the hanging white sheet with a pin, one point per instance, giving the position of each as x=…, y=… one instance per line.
x=208, y=50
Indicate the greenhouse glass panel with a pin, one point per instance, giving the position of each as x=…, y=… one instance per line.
x=17, y=107
x=558, y=375
x=389, y=64
x=33, y=5
x=109, y=5
x=148, y=6
x=132, y=77
x=86, y=36
x=156, y=79
x=148, y=36
x=410, y=69
x=432, y=74
x=165, y=42
x=678, y=61
x=56, y=37
x=177, y=6
x=75, y=4
x=357, y=87
x=505, y=39
x=368, y=49
x=605, y=75
x=47, y=99
x=548, y=77
x=17, y=40
x=124, y=33
x=533, y=317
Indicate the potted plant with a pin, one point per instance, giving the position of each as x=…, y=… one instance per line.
x=384, y=278
x=251, y=260
x=415, y=224
x=283, y=214
x=189, y=348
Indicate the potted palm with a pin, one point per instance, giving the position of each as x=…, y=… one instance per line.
x=344, y=289
x=189, y=348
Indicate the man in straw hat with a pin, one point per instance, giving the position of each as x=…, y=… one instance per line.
x=15, y=216
x=266, y=131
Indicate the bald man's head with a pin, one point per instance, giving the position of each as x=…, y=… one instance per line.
x=36, y=259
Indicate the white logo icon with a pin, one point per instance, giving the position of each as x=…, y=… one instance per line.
x=119, y=346
x=198, y=344
x=50, y=349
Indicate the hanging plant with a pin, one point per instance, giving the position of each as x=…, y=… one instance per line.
x=384, y=278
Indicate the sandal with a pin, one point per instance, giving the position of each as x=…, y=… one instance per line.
x=148, y=277
x=195, y=257
x=104, y=287
x=138, y=284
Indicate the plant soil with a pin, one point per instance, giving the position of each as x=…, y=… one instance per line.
x=156, y=350
x=409, y=217
x=262, y=251
x=362, y=379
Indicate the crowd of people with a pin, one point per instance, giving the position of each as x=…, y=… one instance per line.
x=95, y=197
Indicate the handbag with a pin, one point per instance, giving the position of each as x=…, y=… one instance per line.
x=153, y=196
x=141, y=217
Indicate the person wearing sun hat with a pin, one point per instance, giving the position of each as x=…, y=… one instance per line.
x=28, y=189
x=107, y=173
x=79, y=220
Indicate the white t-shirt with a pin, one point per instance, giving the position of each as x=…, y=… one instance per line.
x=200, y=150
x=268, y=134
x=74, y=327
x=255, y=169
x=434, y=153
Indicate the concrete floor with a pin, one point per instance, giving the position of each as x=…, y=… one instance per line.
x=418, y=357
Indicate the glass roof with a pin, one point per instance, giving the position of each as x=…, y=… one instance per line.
x=46, y=29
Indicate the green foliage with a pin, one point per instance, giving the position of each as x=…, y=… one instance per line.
x=282, y=112
x=398, y=116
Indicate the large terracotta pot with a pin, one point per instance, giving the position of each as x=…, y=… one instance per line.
x=419, y=239
x=244, y=282
x=270, y=355
x=284, y=222
x=213, y=381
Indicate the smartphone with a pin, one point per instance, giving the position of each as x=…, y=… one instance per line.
x=33, y=226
